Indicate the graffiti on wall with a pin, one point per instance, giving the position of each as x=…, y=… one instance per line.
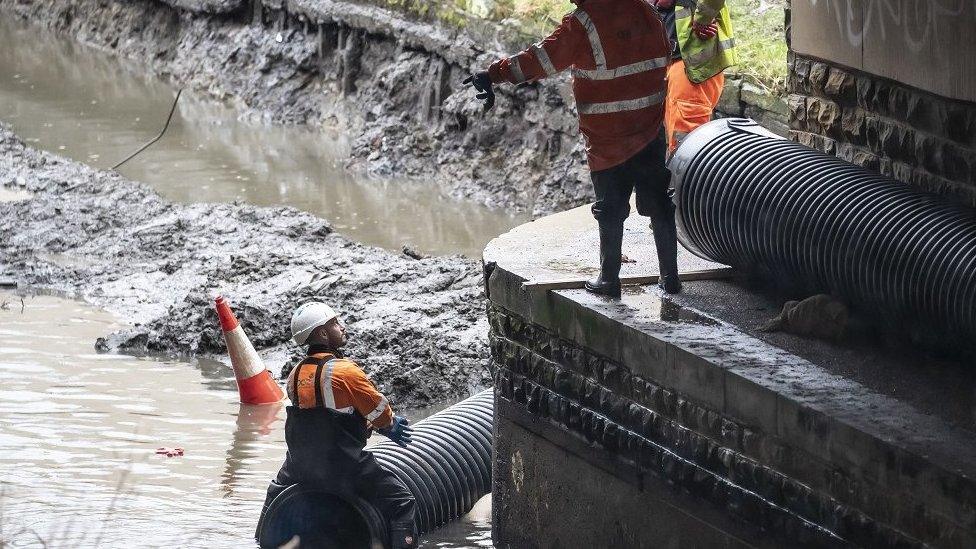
x=913, y=23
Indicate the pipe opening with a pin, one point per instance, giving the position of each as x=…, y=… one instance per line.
x=322, y=519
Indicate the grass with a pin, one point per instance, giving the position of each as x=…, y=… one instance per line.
x=760, y=37
x=758, y=26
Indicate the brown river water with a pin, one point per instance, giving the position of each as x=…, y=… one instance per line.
x=79, y=432
x=78, y=429
x=98, y=109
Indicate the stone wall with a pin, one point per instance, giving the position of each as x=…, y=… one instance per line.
x=909, y=134
x=618, y=421
x=744, y=99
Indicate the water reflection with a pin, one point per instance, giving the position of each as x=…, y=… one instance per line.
x=79, y=433
x=98, y=109
x=254, y=423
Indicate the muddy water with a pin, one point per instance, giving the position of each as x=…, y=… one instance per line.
x=79, y=433
x=93, y=107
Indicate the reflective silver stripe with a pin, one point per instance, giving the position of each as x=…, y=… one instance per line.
x=326, y=381
x=682, y=13
x=513, y=64
x=594, y=36
x=543, y=57
x=626, y=70
x=710, y=52
x=621, y=106
x=380, y=408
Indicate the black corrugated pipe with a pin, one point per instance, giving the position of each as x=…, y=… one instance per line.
x=447, y=467
x=760, y=203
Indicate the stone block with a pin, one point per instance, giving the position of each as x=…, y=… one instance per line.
x=864, y=91
x=797, y=105
x=864, y=158
x=695, y=378
x=803, y=427
x=827, y=115
x=960, y=124
x=841, y=86
x=818, y=76
x=730, y=101
x=852, y=125
x=957, y=163
x=749, y=404
x=763, y=99
x=799, y=77
x=769, y=120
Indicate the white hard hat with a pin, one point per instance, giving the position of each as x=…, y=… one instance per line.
x=308, y=317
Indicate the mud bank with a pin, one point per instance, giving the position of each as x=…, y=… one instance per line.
x=416, y=325
x=392, y=82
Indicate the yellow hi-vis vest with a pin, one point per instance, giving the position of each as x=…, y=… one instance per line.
x=704, y=58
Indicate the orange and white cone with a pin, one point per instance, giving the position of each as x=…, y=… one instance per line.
x=254, y=381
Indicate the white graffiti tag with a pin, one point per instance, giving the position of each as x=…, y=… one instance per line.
x=916, y=21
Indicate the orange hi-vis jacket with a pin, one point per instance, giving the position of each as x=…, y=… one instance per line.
x=340, y=385
x=619, y=52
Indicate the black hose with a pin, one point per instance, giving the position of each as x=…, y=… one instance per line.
x=159, y=136
x=750, y=199
x=447, y=468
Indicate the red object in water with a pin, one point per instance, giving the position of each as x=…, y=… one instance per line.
x=169, y=452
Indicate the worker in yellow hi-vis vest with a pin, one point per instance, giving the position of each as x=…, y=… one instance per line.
x=702, y=47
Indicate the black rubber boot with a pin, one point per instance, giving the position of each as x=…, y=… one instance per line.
x=611, y=241
x=666, y=240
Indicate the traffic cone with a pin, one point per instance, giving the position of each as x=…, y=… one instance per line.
x=254, y=381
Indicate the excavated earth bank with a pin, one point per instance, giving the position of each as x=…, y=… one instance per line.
x=415, y=325
x=393, y=83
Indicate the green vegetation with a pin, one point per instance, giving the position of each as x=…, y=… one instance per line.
x=760, y=35
x=759, y=27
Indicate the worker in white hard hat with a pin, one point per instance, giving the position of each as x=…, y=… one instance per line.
x=334, y=408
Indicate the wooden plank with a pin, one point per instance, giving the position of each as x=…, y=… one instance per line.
x=577, y=283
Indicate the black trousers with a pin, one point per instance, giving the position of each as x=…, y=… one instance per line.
x=646, y=174
x=383, y=490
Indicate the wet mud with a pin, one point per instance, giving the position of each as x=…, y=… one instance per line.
x=393, y=83
x=416, y=325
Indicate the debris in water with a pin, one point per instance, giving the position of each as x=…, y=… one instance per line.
x=413, y=253
x=169, y=452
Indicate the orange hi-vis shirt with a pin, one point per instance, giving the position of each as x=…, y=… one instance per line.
x=338, y=384
x=619, y=52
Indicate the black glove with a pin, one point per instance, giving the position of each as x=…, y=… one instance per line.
x=482, y=82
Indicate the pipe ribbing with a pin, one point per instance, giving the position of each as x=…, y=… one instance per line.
x=750, y=199
x=447, y=468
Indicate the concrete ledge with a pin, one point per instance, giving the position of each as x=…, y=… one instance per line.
x=874, y=459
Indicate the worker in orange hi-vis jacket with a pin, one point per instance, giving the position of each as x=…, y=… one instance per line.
x=334, y=408
x=618, y=51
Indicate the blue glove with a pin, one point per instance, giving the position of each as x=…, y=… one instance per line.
x=399, y=431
